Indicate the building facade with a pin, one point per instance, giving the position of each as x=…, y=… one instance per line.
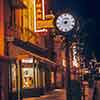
x=30, y=71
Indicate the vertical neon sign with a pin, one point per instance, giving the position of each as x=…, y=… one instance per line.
x=39, y=14
x=75, y=57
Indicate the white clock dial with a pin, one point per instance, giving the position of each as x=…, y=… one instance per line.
x=65, y=22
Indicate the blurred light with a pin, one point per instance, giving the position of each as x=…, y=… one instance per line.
x=75, y=61
x=42, y=30
x=99, y=70
x=64, y=62
x=52, y=77
x=28, y=60
x=35, y=61
x=43, y=9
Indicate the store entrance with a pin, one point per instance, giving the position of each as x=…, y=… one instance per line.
x=31, y=78
x=27, y=78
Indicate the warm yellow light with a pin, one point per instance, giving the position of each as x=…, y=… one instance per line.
x=37, y=16
x=75, y=63
x=1, y=44
x=19, y=78
x=26, y=2
x=64, y=62
x=45, y=23
x=14, y=85
x=36, y=77
x=1, y=29
x=52, y=77
x=43, y=9
x=38, y=5
x=27, y=77
x=34, y=15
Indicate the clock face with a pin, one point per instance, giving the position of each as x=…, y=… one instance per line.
x=65, y=22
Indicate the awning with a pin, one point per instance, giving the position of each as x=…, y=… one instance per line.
x=31, y=47
x=35, y=55
x=27, y=50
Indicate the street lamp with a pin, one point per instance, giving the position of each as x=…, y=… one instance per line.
x=66, y=23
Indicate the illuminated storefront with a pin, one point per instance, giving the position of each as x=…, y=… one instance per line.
x=31, y=73
x=30, y=76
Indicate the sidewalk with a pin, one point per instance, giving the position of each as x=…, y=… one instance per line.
x=57, y=94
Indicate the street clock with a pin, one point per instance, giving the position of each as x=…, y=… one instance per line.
x=65, y=22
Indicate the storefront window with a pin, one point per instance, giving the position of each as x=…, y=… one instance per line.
x=14, y=82
x=30, y=73
x=27, y=75
x=52, y=77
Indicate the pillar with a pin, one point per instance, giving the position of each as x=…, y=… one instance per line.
x=1, y=27
x=4, y=79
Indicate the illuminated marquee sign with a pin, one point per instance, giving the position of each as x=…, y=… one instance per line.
x=45, y=23
x=28, y=60
x=40, y=22
x=39, y=10
x=39, y=14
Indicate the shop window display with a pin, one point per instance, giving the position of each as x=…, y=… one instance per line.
x=14, y=77
x=27, y=77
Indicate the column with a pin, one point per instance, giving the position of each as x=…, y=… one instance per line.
x=2, y=27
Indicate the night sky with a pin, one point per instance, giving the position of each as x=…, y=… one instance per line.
x=89, y=13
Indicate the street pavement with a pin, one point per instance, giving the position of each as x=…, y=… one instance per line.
x=60, y=94
x=88, y=92
x=57, y=94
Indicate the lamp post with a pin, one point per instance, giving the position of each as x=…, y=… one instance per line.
x=65, y=23
x=68, y=73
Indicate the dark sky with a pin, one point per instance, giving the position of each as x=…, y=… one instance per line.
x=89, y=13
